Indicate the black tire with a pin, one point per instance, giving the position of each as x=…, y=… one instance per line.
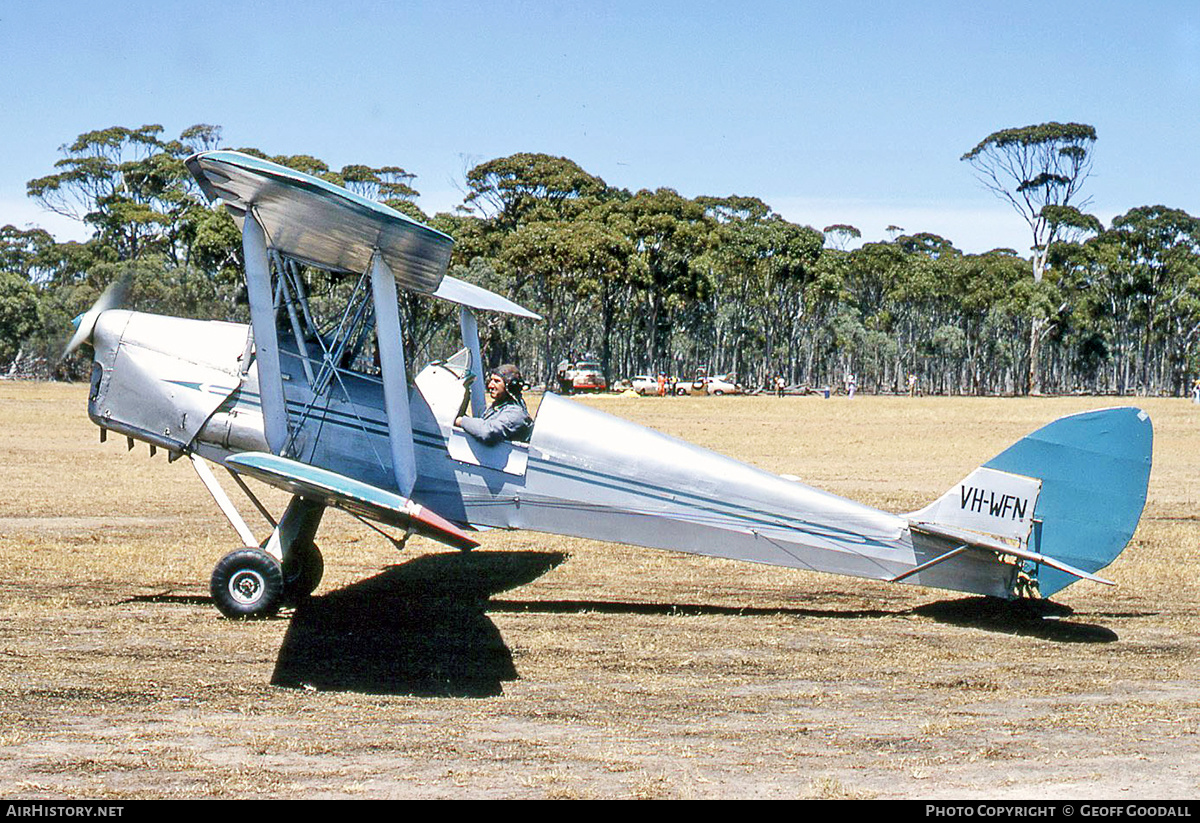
x=302, y=572
x=682, y=391
x=247, y=583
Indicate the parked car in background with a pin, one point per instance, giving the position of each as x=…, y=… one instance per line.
x=722, y=384
x=583, y=376
x=705, y=385
x=645, y=384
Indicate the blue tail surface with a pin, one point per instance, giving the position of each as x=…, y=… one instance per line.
x=1095, y=467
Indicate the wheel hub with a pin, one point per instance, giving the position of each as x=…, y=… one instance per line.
x=246, y=586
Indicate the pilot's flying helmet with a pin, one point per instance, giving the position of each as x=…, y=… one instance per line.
x=511, y=376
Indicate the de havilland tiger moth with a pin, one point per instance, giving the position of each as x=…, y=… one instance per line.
x=328, y=414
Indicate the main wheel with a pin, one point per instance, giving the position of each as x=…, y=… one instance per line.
x=247, y=583
x=302, y=572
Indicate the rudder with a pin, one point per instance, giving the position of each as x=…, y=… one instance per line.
x=1095, y=468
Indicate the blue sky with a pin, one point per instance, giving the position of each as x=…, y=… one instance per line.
x=847, y=112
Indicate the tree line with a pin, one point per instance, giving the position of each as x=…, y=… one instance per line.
x=653, y=281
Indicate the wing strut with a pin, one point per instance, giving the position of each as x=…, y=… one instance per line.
x=389, y=335
x=470, y=336
x=266, y=340
x=941, y=558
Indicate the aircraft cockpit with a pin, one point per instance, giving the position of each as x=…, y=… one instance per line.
x=332, y=370
x=446, y=387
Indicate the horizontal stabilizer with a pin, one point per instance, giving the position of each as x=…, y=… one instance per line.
x=350, y=495
x=983, y=542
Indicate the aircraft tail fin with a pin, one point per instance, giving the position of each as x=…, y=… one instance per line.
x=1071, y=492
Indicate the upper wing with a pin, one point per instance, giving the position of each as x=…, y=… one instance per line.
x=477, y=297
x=316, y=222
x=321, y=224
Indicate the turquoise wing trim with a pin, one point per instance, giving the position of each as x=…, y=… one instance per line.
x=1095, y=469
x=348, y=494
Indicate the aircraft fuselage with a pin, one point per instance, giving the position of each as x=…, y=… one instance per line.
x=188, y=385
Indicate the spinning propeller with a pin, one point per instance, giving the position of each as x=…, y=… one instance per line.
x=112, y=297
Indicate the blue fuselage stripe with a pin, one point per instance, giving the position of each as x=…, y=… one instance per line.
x=625, y=485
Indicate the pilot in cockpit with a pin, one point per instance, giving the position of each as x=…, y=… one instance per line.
x=506, y=417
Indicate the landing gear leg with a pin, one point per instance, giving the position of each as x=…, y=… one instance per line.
x=302, y=572
x=292, y=544
x=254, y=581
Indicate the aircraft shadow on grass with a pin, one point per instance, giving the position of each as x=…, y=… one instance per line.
x=1018, y=617
x=1024, y=618
x=419, y=628
x=422, y=627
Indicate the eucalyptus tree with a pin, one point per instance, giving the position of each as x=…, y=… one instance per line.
x=201, y=137
x=570, y=269
x=861, y=286
x=890, y=300
x=760, y=264
x=924, y=308
x=725, y=322
x=24, y=255
x=117, y=181
x=1032, y=168
x=390, y=185
x=27, y=252
x=19, y=314
x=521, y=187
x=60, y=279
x=669, y=234
x=781, y=257
x=992, y=296
x=1092, y=334
x=131, y=187
x=1155, y=259
x=826, y=295
x=534, y=196
x=840, y=235
x=92, y=168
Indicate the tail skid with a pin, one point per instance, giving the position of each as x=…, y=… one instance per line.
x=1065, y=500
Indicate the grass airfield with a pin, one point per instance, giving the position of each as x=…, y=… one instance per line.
x=541, y=666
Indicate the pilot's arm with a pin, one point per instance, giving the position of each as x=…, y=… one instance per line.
x=507, y=422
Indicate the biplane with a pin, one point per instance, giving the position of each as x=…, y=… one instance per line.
x=325, y=410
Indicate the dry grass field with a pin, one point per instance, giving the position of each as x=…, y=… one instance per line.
x=541, y=666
